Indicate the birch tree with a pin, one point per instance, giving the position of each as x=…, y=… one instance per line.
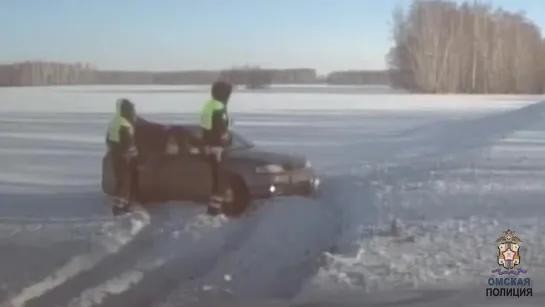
x=442, y=46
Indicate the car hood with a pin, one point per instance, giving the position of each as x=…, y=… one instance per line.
x=261, y=156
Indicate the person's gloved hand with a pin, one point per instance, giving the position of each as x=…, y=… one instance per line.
x=132, y=152
x=216, y=151
x=226, y=139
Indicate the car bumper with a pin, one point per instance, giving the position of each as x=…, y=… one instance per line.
x=301, y=182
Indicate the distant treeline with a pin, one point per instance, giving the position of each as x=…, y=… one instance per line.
x=449, y=47
x=38, y=73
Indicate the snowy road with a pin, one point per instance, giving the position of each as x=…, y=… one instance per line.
x=455, y=171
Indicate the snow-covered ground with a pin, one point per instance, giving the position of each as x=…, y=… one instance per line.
x=451, y=172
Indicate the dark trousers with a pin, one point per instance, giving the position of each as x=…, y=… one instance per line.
x=125, y=176
x=218, y=173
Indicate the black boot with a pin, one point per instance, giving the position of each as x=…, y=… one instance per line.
x=213, y=211
x=214, y=206
x=121, y=207
x=117, y=210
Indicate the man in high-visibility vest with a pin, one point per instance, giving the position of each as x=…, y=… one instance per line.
x=122, y=151
x=215, y=125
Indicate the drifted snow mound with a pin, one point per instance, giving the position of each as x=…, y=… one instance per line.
x=453, y=253
x=454, y=201
x=442, y=236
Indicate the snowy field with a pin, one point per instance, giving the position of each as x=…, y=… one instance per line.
x=449, y=172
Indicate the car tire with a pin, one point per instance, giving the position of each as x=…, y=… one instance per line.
x=239, y=199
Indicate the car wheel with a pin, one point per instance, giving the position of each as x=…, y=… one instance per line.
x=237, y=197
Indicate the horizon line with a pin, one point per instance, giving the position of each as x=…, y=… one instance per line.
x=234, y=67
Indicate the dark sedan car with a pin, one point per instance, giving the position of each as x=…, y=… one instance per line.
x=173, y=168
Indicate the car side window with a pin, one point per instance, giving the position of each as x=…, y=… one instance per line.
x=189, y=144
x=176, y=142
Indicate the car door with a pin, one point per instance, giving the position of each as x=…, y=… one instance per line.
x=184, y=175
x=196, y=174
x=188, y=169
x=177, y=177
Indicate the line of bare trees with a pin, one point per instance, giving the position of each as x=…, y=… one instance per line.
x=255, y=77
x=39, y=73
x=33, y=73
x=446, y=47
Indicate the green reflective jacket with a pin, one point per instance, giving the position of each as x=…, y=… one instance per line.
x=116, y=123
x=207, y=113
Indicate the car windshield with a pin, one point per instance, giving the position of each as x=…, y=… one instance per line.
x=239, y=142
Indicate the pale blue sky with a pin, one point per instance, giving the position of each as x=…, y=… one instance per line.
x=207, y=34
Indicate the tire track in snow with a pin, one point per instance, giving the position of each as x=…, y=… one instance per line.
x=75, y=266
x=271, y=262
x=147, y=274
x=37, y=231
x=158, y=283
x=141, y=254
x=123, y=259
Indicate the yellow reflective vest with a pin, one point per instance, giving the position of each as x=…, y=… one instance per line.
x=116, y=123
x=207, y=113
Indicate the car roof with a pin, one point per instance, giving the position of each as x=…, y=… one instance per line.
x=193, y=129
